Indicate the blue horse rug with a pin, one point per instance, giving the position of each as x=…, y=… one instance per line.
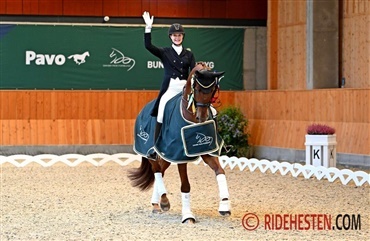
x=180, y=140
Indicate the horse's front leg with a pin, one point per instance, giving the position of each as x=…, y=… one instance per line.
x=159, y=198
x=224, y=207
x=187, y=215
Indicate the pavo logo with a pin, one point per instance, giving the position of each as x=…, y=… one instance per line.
x=51, y=59
x=79, y=58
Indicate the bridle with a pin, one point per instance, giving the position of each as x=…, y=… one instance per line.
x=206, y=89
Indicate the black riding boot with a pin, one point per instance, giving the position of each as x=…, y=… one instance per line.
x=158, y=127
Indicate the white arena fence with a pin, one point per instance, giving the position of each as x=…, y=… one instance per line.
x=331, y=174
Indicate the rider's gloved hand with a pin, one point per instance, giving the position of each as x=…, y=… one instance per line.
x=148, y=21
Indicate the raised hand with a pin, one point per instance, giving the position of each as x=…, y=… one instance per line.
x=148, y=20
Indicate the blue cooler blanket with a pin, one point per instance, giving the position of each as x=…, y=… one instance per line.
x=179, y=141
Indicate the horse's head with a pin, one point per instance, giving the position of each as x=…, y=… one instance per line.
x=203, y=85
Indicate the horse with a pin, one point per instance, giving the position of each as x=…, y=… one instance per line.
x=190, y=113
x=79, y=58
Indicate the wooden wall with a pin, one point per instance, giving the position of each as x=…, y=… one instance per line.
x=292, y=45
x=286, y=44
x=356, y=43
x=233, y=9
x=280, y=118
x=69, y=117
x=287, y=62
x=277, y=118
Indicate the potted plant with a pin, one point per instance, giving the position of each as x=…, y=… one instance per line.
x=232, y=127
x=321, y=145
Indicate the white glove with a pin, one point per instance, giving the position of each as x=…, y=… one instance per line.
x=148, y=21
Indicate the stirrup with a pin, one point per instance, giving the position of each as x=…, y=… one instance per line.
x=153, y=156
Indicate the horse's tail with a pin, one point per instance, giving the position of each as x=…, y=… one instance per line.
x=71, y=56
x=143, y=176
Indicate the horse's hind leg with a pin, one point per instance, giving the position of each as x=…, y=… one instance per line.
x=224, y=206
x=155, y=199
x=187, y=215
x=164, y=203
x=159, y=195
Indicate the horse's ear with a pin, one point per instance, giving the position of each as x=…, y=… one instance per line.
x=218, y=74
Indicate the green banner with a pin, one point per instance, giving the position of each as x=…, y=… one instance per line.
x=107, y=57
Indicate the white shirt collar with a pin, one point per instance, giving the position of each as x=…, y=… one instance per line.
x=178, y=49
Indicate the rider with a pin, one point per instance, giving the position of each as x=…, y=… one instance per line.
x=177, y=62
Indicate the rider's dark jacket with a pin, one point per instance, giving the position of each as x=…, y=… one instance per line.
x=174, y=65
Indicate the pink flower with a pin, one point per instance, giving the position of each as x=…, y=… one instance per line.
x=319, y=129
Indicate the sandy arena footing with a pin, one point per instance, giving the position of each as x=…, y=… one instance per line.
x=98, y=203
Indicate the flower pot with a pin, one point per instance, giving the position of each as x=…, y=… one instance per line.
x=321, y=150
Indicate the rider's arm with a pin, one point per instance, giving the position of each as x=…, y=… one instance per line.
x=148, y=36
x=149, y=46
x=192, y=61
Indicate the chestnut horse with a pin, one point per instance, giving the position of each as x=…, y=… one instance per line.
x=198, y=138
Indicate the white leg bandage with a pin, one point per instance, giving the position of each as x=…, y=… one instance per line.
x=186, y=211
x=222, y=186
x=155, y=195
x=185, y=197
x=161, y=189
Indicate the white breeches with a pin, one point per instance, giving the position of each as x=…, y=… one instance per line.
x=175, y=87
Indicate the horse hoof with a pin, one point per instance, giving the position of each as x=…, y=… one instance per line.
x=225, y=213
x=165, y=204
x=156, y=209
x=224, y=208
x=188, y=218
x=189, y=221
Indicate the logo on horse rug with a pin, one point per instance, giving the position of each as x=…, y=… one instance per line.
x=144, y=131
x=199, y=139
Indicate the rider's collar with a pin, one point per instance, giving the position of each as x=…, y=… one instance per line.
x=178, y=48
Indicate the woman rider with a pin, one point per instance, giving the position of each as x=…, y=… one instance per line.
x=177, y=62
